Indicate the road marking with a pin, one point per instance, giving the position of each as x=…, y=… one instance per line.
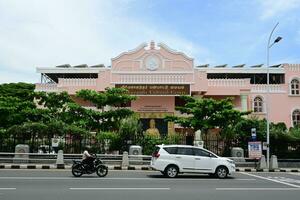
x=276, y=181
x=298, y=174
x=286, y=179
x=8, y=188
x=256, y=189
x=119, y=188
x=119, y=178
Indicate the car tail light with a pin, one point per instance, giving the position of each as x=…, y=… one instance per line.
x=155, y=155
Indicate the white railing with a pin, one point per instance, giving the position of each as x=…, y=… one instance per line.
x=263, y=88
x=77, y=82
x=152, y=78
x=46, y=87
x=228, y=82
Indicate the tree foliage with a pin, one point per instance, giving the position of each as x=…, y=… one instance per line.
x=130, y=131
x=206, y=113
x=22, y=91
x=109, y=102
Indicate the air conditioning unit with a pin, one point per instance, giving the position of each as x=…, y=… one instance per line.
x=135, y=150
x=237, y=152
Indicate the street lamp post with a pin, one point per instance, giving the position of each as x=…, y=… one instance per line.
x=268, y=91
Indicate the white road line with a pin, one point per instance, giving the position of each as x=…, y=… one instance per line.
x=8, y=188
x=293, y=173
x=256, y=189
x=276, y=181
x=119, y=188
x=119, y=178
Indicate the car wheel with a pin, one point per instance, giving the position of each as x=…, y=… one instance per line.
x=221, y=172
x=171, y=171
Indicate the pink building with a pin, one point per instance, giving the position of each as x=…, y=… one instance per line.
x=158, y=75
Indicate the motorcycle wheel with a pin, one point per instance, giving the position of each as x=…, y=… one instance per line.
x=77, y=170
x=102, y=171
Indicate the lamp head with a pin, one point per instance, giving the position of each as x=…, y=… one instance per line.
x=277, y=39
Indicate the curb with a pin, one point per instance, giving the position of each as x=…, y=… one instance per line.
x=110, y=167
x=265, y=170
x=130, y=168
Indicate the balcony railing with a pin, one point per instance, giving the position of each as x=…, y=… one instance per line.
x=228, y=82
x=71, y=82
x=47, y=87
x=153, y=78
x=263, y=88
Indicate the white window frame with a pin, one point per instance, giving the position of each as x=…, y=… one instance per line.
x=262, y=105
x=292, y=116
x=294, y=89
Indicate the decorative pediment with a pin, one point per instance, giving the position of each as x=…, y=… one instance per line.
x=150, y=58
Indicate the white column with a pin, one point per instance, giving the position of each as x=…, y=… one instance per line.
x=244, y=102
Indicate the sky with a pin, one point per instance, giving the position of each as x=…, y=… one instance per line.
x=47, y=33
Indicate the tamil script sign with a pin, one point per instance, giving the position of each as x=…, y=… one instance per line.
x=157, y=89
x=255, y=149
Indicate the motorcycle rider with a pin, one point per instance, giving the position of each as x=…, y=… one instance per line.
x=87, y=158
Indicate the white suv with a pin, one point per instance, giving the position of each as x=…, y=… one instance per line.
x=173, y=159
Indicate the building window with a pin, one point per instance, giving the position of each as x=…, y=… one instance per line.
x=295, y=87
x=296, y=117
x=258, y=104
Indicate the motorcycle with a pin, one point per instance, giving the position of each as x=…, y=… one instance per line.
x=79, y=168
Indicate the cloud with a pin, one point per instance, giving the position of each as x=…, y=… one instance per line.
x=271, y=8
x=49, y=33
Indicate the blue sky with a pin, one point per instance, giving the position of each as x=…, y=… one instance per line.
x=35, y=33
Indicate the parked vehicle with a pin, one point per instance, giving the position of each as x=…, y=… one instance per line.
x=79, y=168
x=173, y=159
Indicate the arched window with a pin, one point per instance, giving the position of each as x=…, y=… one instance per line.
x=258, y=104
x=296, y=117
x=295, y=87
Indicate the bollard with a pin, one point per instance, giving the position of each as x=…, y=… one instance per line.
x=21, y=155
x=60, y=160
x=262, y=163
x=273, y=162
x=125, y=159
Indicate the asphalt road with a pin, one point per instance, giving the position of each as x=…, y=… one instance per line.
x=59, y=184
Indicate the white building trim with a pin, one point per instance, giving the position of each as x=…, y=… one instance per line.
x=70, y=70
x=242, y=70
x=141, y=46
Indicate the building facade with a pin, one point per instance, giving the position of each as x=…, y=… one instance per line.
x=158, y=75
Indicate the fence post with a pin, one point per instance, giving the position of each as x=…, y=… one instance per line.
x=125, y=159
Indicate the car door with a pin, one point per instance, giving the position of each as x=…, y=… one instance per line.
x=186, y=159
x=204, y=161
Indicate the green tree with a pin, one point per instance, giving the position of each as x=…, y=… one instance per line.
x=22, y=91
x=206, y=113
x=14, y=111
x=113, y=99
x=130, y=130
x=107, y=139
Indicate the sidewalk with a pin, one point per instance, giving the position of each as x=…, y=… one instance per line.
x=132, y=167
